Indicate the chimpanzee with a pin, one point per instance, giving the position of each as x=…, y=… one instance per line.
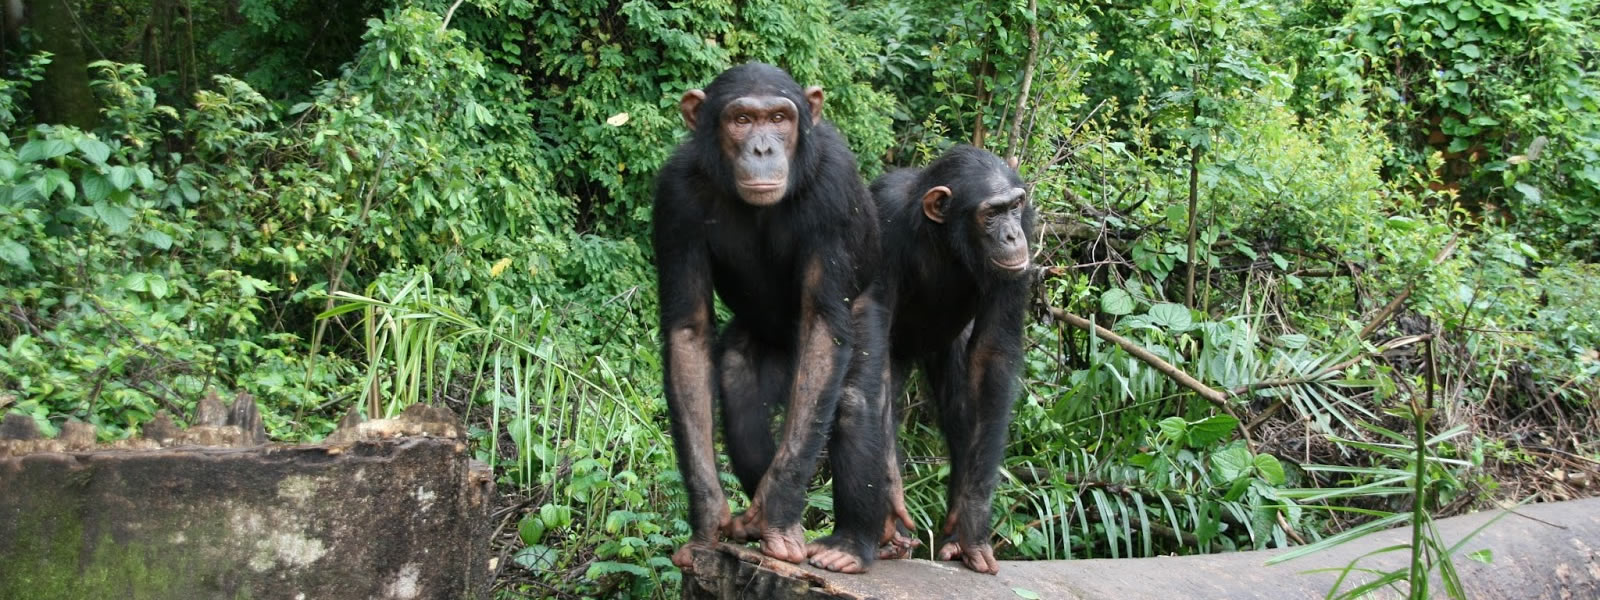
x=764, y=205
x=955, y=242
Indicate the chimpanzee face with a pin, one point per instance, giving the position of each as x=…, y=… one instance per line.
x=999, y=227
x=757, y=135
x=988, y=222
x=997, y=222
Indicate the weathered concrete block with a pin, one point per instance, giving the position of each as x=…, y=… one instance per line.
x=392, y=519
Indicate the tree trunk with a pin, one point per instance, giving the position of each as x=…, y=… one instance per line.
x=63, y=96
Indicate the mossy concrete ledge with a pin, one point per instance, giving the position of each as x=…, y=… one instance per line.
x=391, y=518
x=1546, y=551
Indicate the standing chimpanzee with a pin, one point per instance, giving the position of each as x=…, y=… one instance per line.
x=955, y=239
x=764, y=205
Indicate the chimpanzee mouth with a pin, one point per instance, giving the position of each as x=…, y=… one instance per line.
x=1017, y=265
x=761, y=187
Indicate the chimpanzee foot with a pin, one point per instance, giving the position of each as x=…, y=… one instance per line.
x=684, y=557
x=895, y=544
x=782, y=543
x=788, y=545
x=839, y=554
x=898, y=546
x=746, y=526
x=978, y=557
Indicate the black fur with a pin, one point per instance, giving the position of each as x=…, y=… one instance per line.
x=756, y=259
x=956, y=317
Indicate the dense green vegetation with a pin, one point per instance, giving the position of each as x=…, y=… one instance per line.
x=1364, y=226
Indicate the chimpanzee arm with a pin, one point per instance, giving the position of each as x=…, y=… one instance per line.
x=993, y=360
x=687, y=327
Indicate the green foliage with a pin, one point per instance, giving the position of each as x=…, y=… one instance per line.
x=1508, y=92
x=361, y=206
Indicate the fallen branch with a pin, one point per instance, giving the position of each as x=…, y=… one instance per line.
x=1213, y=396
x=1398, y=301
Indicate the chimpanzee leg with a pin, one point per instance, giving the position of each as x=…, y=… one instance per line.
x=857, y=447
x=974, y=397
x=752, y=377
x=946, y=377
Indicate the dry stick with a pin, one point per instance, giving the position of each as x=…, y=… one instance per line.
x=1194, y=202
x=982, y=98
x=1027, y=80
x=1398, y=301
x=1215, y=397
x=448, y=14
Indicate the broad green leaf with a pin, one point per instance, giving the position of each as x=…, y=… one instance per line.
x=1025, y=593
x=1293, y=341
x=16, y=254
x=37, y=150
x=121, y=177
x=95, y=150
x=156, y=238
x=1116, y=301
x=116, y=218
x=1485, y=556
x=157, y=286
x=1171, y=317
x=1400, y=223
x=95, y=187
x=531, y=529
x=136, y=282
x=1270, y=469
x=1173, y=428
x=1532, y=193
x=1211, y=430
x=61, y=181
x=1231, y=463
x=537, y=557
x=555, y=516
x=1237, y=490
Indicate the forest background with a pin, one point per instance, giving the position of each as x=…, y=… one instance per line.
x=1364, y=231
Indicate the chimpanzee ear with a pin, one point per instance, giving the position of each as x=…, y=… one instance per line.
x=814, y=98
x=933, y=203
x=1012, y=162
x=689, y=106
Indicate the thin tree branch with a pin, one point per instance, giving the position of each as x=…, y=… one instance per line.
x=1213, y=396
x=448, y=14
x=1398, y=301
x=1027, y=81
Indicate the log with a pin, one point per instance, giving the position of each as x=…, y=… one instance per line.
x=1544, y=551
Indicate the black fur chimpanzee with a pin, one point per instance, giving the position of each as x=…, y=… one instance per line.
x=955, y=239
x=764, y=205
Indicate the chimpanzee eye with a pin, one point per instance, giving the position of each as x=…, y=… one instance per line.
x=777, y=117
x=742, y=119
